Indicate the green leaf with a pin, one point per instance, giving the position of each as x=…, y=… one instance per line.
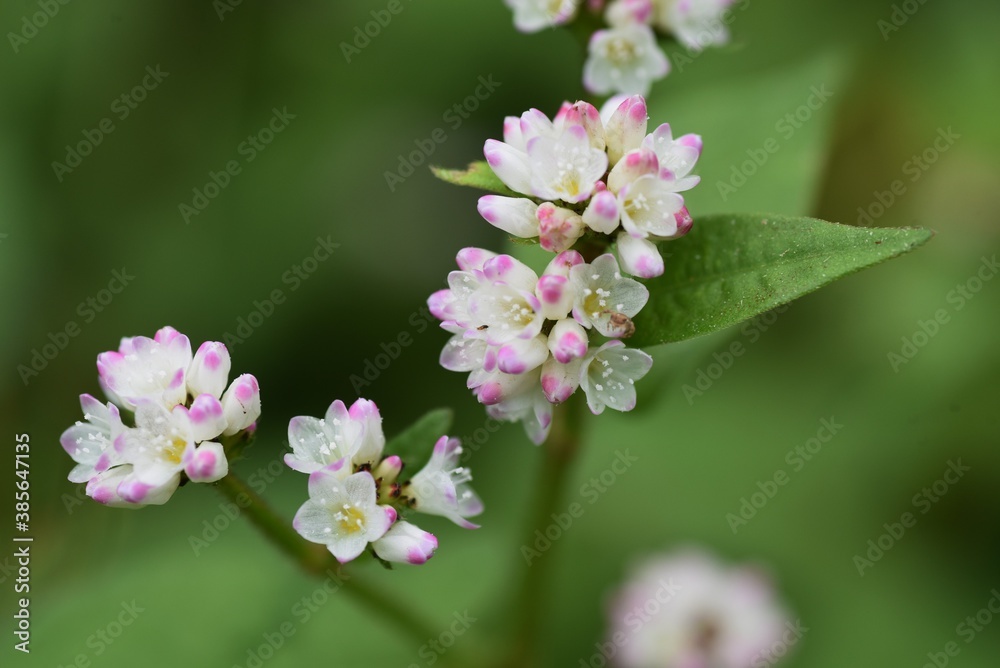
x=478, y=175
x=732, y=267
x=415, y=443
x=784, y=176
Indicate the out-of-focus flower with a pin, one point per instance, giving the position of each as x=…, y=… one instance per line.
x=687, y=609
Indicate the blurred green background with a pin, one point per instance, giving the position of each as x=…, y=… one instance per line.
x=324, y=177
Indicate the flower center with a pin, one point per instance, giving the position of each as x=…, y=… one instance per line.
x=620, y=51
x=173, y=450
x=350, y=518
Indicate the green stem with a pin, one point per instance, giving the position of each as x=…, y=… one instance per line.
x=317, y=561
x=529, y=607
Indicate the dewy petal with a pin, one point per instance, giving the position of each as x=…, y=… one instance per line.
x=407, y=544
x=134, y=490
x=676, y=157
x=520, y=356
x=511, y=272
x=312, y=447
x=372, y=441
x=506, y=313
x=697, y=24
x=538, y=421
x=586, y=115
x=89, y=442
x=510, y=165
x=103, y=488
x=209, y=370
x=208, y=464
x=514, y=216
x=639, y=257
x=602, y=214
x=648, y=207
x=441, y=487
x=567, y=341
x=633, y=165
x=559, y=381
x=625, y=125
x=555, y=294
x=241, y=403
x=473, y=259
x=623, y=12
x=608, y=376
x=206, y=416
x=147, y=369
x=562, y=263
x=462, y=353
x=567, y=167
x=604, y=295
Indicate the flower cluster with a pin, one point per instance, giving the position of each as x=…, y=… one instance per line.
x=169, y=415
x=688, y=609
x=524, y=338
x=594, y=174
x=624, y=57
x=356, y=495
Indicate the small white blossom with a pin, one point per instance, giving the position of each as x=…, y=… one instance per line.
x=696, y=611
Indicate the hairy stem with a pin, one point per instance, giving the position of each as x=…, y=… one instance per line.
x=529, y=607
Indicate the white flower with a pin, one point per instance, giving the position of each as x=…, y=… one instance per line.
x=535, y=15
x=442, y=487
x=675, y=157
x=606, y=300
x=697, y=24
x=353, y=434
x=608, y=376
x=695, y=611
x=624, y=59
x=163, y=444
x=147, y=369
x=87, y=441
x=406, y=543
x=342, y=511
